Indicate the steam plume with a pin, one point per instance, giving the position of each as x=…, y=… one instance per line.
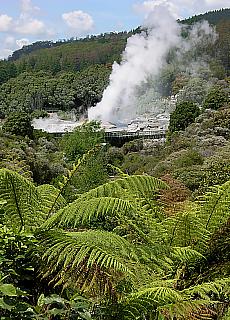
x=144, y=57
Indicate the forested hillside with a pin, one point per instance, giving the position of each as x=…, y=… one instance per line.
x=221, y=20
x=91, y=231
x=70, y=55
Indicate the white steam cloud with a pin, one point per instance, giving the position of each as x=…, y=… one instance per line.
x=144, y=58
x=144, y=55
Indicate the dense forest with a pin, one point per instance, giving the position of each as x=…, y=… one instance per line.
x=94, y=231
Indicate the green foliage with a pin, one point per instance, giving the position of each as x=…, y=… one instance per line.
x=16, y=270
x=194, y=90
x=184, y=114
x=25, y=206
x=82, y=139
x=39, y=114
x=84, y=258
x=111, y=206
x=113, y=244
x=89, y=85
x=78, y=54
x=18, y=123
x=185, y=158
x=215, y=207
x=7, y=70
x=216, y=98
x=16, y=191
x=36, y=91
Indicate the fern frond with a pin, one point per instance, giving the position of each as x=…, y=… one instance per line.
x=139, y=186
x=47, y=195
x=226, y=315
x=163, y=301
x=186, y=229
x=215, y=207
x=208, y=290
x=85, y=258
x=186, y=255
x=22, y=201
x=187, y=310
x=146, y=301
x=83, y=211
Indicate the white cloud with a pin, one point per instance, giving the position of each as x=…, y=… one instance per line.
x=78, y=20
x=27, y=7
x=22, y=42
x=27, y=24
x=4, y=53
x=5, y=22
x=9, y=41
x=30, y=27
x=180, y=8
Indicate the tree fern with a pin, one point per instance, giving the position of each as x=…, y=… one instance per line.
x=146, y=301
x=139, y=185
x=118, y=200
x=187, y=229
x=215, y=207
x=82, y=211
x=164, y=301
x=49, y=198
x=25, y=205
x=22, y=198
x=87, y=259
x=208, y=290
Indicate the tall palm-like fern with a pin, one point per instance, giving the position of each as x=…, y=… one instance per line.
x=25, y=206
x=164, y=301
x=114, y=241
x=91, y=260
x=120, y=200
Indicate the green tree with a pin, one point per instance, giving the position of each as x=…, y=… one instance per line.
x=89, y=86
x=82, y=139
x=194, y=90
x=18, y=123
x=184, y=114
x=216, y=98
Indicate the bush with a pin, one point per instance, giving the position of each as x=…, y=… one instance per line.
x=178, y=159
x=216, y=99
x=82, y=139
x=133, y=146
x=18, y=123
x=184, y=114
x=39, y=114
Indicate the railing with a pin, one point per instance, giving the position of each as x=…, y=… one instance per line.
x=135, y=135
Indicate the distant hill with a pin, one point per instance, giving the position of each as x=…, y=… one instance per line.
x=221, y=20
x=213, y=17
x=78, y=54
x=72, y=54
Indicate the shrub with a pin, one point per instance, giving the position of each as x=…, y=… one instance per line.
x=216, y=98
x=82, y=139
x=18, y=123
x=184, y=114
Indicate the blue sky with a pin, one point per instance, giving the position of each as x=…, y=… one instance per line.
x=26, y=21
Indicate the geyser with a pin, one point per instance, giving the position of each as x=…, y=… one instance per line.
x=145, y=54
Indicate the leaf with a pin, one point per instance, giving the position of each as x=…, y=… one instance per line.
x=4, y=305
x=8, y=290
x=22, y=201
x=87, y=258
x=41, y=300
x=49, y=197
x=85, y=315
